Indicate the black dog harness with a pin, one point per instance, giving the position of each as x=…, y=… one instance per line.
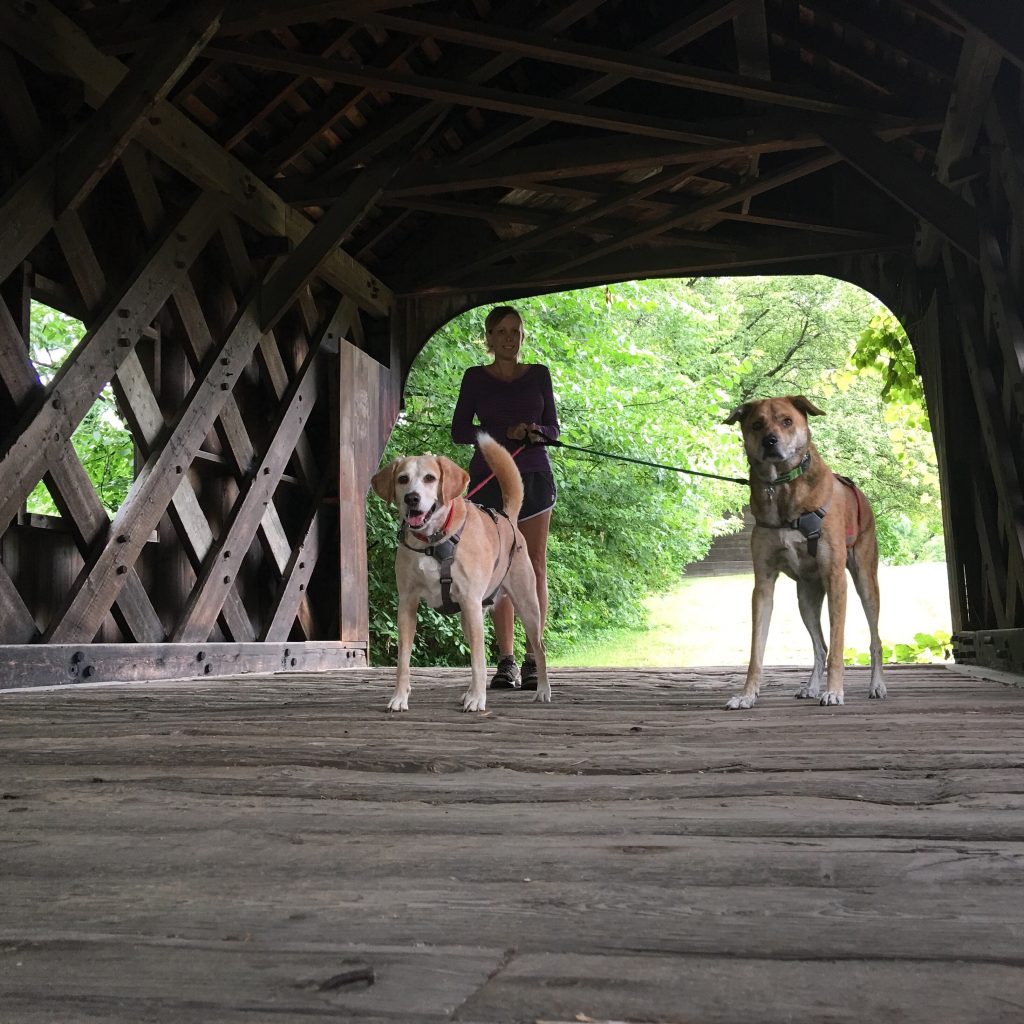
x=443, y=548
x=809, y=523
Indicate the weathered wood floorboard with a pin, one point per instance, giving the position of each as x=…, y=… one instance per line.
x=220, y=850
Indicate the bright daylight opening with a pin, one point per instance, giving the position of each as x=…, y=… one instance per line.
x=102, y=440
x=649, y=370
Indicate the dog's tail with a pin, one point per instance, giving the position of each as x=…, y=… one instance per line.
x=504, y=467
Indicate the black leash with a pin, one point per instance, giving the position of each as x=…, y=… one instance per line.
x=745, y=481
x=642, y=462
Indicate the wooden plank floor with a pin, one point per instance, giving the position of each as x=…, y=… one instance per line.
x=280, y=850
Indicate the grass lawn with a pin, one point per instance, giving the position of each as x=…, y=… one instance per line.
x=706, y=621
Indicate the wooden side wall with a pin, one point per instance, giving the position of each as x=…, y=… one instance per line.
x=961, y=303
x=233, y=333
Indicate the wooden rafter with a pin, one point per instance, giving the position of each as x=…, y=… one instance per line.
x=331, y=230
x=663, y=182
x=43, y=35
x=118, y=117
x=907, y=182
x=605, y=61
x=690, y=27
x=972, y=92
x=998, y=21
x=694, y=210
x=466, y=94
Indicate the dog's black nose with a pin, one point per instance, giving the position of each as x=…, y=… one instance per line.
x=412, y=499
x=770, y=440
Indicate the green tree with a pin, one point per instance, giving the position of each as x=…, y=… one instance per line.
x=102, y=440
x=651, y=369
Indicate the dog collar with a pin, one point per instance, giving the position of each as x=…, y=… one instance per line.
x=799, y=470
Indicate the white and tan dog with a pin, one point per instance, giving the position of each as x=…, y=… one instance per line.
x=455, y=556
x=811, y=525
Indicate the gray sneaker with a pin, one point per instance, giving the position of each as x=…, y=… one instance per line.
x=529, y=674
x=507, y=676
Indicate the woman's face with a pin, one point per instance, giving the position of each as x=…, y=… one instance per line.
x=505, y=338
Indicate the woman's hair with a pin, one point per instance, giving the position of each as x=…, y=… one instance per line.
x=499, y=313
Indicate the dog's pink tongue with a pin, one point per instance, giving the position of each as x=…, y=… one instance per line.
x=418, y=519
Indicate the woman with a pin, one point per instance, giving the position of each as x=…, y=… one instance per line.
x=514, y=403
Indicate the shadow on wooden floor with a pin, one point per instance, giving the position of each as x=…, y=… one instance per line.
x=268, y=850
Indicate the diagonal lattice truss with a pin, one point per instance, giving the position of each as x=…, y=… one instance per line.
x=224, y=365
x=215, y=186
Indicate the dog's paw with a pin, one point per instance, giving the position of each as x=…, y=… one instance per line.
x=741, y=701
x=830, y=697
x=543, y=694
x=877, y=691
x=808, y=692
x=399, y=702
x=471, y=702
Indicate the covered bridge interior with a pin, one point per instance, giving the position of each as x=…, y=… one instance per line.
x=262, y=210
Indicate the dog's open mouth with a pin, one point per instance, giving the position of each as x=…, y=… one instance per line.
x=417, y=517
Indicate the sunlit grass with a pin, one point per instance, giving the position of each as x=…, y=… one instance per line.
x=706, y=621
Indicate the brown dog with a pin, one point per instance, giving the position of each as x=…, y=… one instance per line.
x=456, y=556
x=811, y=525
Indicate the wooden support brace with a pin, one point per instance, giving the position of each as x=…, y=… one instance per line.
x=45, y=36
x=298, y=571
x=115, y=121
x=72, y=489
x=337, y=223
x=163, y=473
x=906, y=182
x=228, y=553
x=46, y=426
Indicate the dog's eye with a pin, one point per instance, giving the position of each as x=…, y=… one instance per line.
x=404, y=478
x=757, y=425
x=786, y=421
x=429, y=478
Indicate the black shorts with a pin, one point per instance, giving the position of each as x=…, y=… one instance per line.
x=538, y=494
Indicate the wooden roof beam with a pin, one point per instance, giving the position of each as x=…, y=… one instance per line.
x=688, y=29
x=45, y=36
x=999, y=21
x=337, y=223
x=683, y=261
x=396, y=124
x=151, y=77
x=690, y=214
x=625, y=65
x=462, y=93
x=608, y=154
x=972, y=92
x=907, y=182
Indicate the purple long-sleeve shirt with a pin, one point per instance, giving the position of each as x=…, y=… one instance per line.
x=498, y=405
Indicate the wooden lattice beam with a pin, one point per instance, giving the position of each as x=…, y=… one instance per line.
x=71, y=488
x=44, y=36
x=156, y=485
x=461, y=93
x=45, y=427
x=227, y=555
x=907, y=182
x=972, y=92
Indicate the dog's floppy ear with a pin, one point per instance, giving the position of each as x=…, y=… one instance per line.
x=383, y=481
x=806, y=406
x=739, y=413
x=453, y=479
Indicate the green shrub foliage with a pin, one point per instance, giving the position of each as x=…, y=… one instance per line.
x=650, y=370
